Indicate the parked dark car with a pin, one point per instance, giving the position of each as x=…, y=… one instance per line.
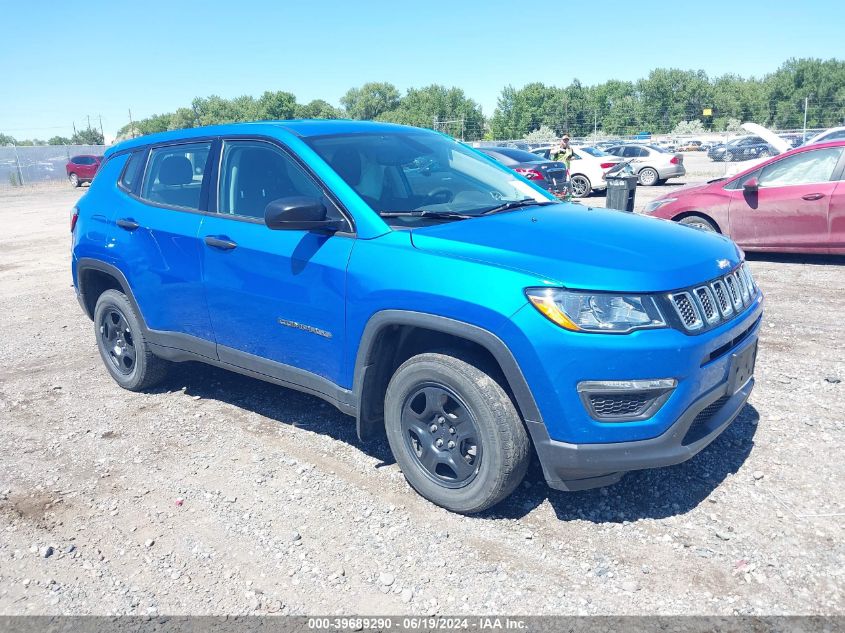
x=82, y=168
x=550, y=175
x=744, y=148
x=794, y=202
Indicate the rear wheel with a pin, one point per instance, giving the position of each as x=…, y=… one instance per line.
x=649, y=177
x=74, y=180
x=123, y=348
x=454, y=432
x=581, y=186
x=699, y=222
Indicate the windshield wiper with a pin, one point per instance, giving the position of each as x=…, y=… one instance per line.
x=439, y=215
x=516, y=204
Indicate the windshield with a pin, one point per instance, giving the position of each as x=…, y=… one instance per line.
x=592, y=151
x=421, y=173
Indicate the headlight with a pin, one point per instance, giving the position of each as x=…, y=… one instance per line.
x=654, y=205
x=595, y=311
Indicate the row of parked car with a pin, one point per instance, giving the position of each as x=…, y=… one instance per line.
x=589, y=166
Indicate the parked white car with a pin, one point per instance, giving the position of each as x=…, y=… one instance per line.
x=833, y=134
x=587, y=170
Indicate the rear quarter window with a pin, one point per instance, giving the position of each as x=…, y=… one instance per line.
x=175, y=174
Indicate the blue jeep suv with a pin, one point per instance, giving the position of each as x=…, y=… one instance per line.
x=422, y=288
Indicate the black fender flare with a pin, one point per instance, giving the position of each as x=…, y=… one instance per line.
x=88, y=263
x=365, y=359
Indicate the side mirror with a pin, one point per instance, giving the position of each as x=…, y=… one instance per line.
x=751, y=185
x=298, y=214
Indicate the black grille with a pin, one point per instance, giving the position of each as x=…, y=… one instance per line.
x=607, y=405
x=730, y=280
x=700, y=426
x=710, y=312
x=722, y=297
x=686, y=310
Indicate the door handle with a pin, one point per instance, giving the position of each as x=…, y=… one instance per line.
x=221, y=243
x=813, y=196
x=127, y=223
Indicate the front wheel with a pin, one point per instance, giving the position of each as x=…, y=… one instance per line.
x=649, y=177
x=728, y=157
x=74, y=180
x=581, y=186
x=454, y=432
x=699, y=222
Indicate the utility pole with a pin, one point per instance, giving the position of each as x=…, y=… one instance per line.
x=462, y=128
x=806, y=102
x=131, y=124
x=595, y=125
x=89, y=120
x=103, y=134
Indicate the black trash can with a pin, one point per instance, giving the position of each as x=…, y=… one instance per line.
x=621, y=189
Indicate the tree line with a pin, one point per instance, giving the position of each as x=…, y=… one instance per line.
x=665, y=100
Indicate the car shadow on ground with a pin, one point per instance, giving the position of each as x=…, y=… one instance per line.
x=647, y=494
x=282, y=405
x=654, y=494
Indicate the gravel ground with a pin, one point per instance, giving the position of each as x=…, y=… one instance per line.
x=218, y=494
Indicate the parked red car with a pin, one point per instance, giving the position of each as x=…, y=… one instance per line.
x=794, y=202
x=82, y=168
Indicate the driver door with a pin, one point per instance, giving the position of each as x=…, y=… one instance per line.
x=791, y=205
x=276, y=298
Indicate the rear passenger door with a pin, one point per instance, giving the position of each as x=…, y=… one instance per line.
x=155, y=241
x=276, y=297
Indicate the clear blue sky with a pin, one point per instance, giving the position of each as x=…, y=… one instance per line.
x=61, y=62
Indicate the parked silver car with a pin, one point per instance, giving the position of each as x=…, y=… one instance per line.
x=652, y=164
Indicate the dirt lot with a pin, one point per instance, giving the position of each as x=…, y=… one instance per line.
x=220, y=494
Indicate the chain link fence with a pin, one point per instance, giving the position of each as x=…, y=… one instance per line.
x=26, y=165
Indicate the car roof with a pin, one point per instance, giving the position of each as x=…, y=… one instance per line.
x=825, y=133
x=300, y=127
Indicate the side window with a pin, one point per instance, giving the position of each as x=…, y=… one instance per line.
x=835, y=136
x=800, y=169
x=634, y=152
x=253, y=174
x=132, y=169
x=175, y=174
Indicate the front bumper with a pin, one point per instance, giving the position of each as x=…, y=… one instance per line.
x=583, y=466
x=578, y=451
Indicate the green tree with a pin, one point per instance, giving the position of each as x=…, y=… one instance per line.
x=59, y=140
x=422, y=106
x=318, y=109
x=276, y=106
x=88, y=136
x=181, y=119
x=5, y=139
x=370, y=100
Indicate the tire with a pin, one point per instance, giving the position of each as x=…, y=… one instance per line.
x=649, y=177
x=581, y=186
x=123, y=348
x=699, y=222
x=74, y=180
x=728, y=157
x=435, y=396
x=765, y=153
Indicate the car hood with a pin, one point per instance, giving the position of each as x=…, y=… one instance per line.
x=586, y=248
x=779, y=144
